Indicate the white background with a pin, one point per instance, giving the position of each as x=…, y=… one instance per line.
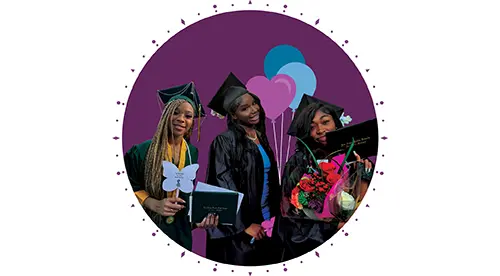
x=64, y=64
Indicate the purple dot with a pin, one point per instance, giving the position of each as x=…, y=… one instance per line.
x=157, y=45
x=143, y=219
x=117, y=120
x=285, y=269
x=283, y=10
x=301, y=13
x=232, y=270
x=126, y=189
x=301, y=261
x=132, y=206
x=154, y=234
x=376, y=171
x=232, y=5
x=168, y=244
x=215, y=264
x=342, y=230
x=356, y=219
x=376, y=104
x=117, y=155
x=373, y=189
x=198, y=261
x=267, y=5
x=118, y=102
x=143, y=56
x=215, y=269
x=283, y=264
x=342, y=45
x=331, y=31
x=126, y=86
x=154, y=41
x=215, y=6
x=346, y=234
x=118, y=173
x=267, y=270
x=383, y=120
x=123, y=172
x=215, y=10
x=331, y=244
x=168, y=31
x=367, y=70
x=382, y=102
x=381, y=173
x=382, y=154
x=285, y=6
x=156, y=231
x=198, y=13
x=374, y=86
x=123, y=103
x=347, y=41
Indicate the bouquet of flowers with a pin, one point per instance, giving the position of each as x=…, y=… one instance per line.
x=323, y=192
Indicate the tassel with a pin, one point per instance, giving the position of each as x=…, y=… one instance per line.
x=199, y=122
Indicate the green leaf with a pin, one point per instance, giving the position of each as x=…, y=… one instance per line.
x=310, y=152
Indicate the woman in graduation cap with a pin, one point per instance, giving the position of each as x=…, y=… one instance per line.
x=170, y=143
x=241, y=160
x=314, y=119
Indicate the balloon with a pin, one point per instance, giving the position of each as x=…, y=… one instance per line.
x=279, y=56
x=304, y=78
x=275, y=95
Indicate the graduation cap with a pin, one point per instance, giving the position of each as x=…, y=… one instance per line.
x=188, y=93
x=365, y=137
x=185, y=92
x=231, y=89
x=305, y=102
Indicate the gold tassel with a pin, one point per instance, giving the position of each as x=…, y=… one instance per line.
x=199, y=123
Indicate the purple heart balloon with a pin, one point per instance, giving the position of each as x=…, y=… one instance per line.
x=275, y=95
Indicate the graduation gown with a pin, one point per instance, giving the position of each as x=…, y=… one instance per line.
x=299, y=236
x=245, y=174
x=180, y=229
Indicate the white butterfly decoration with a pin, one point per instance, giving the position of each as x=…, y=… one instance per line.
x=179, y=179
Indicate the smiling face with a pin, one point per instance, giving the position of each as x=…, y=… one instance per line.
x=182, y=120
x=247, y=111
x=320, y=125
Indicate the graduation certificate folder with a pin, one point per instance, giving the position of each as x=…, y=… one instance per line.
x=208, y=199
x=365, y=137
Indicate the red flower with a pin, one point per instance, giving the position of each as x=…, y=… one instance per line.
x=295, y=198
x=306, y=184
x=332, y=178
x=328, y=168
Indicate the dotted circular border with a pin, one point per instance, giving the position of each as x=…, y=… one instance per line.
x=240, y=7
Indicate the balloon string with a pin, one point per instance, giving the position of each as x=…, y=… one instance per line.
x=289, y=138
x=276, y=145
x=280, y=164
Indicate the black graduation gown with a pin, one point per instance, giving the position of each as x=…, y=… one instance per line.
x=180, y=229
x=245, y=174
x=299, y=236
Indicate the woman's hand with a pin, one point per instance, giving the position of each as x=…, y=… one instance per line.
x=256, y=231
x=210, y=221
x=365, y=162
x=166, y=207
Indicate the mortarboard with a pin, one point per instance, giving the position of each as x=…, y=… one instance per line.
x=231, y=89
x=305, y=102
x=186, y=92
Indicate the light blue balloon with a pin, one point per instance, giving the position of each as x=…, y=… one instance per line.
x=278, y=57
x=305, y=81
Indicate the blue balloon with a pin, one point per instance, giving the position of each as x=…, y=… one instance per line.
x=305, y=80
x=278, y=57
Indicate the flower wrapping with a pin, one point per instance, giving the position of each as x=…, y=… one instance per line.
x=323, y=194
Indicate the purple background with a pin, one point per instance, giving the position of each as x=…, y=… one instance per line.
x=208, y=50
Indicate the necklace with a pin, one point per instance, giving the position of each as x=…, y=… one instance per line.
x=252, y=138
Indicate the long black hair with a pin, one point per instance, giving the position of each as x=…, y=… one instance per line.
x=303, y=124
